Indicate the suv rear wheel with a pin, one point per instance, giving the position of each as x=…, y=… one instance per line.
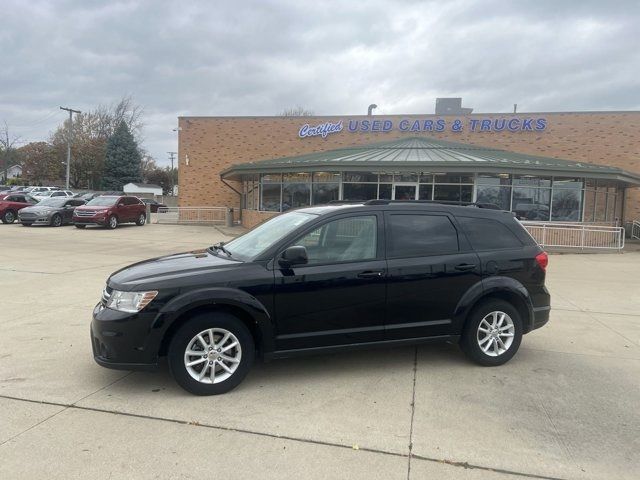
x=211, y=353
x=492, y=334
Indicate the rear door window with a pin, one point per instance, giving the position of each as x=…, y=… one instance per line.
x=488, y=234
x=411, y=235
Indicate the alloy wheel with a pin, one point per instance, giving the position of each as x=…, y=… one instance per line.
x=9, y=217
x=212, y=356
x=495, y=333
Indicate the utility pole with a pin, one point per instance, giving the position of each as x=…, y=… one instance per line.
x=171, y=156
x=69, y=139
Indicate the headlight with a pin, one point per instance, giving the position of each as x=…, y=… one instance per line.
x=131, y=302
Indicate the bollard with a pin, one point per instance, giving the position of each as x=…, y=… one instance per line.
x=229, y=217
x=148, y=216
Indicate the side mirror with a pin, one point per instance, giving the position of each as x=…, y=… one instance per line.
x=295, y=255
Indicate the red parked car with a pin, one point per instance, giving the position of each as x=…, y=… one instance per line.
x=109, y=211
x=11, y=203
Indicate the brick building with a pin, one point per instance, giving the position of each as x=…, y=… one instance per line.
x=574, y=166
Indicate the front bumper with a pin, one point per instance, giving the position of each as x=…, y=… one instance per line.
x=121, y=340
x=35, y=219
x=90, y=220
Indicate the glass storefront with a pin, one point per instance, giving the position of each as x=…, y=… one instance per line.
x=537, y=198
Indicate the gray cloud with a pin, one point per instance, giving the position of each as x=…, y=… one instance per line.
x=257, y=58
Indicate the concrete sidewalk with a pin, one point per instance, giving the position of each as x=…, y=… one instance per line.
x=565, y=407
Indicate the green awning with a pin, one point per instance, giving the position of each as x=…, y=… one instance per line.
x=429, y=156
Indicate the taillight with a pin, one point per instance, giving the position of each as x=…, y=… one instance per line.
x=543, y=260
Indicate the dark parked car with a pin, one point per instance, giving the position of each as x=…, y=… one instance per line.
x=12, y=203
x=88, y=196
x=56, y=212
x=110, y=211
x=155, y=206
x=328, y=279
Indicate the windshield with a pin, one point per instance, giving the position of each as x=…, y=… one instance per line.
x=264, y=236
x=103, y=201
x=53, y=202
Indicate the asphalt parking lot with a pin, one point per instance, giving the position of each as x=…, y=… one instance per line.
x=565, y=407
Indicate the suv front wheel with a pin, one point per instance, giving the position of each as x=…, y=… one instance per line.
x=492, y=334
x=211, y=353
x=112, y=222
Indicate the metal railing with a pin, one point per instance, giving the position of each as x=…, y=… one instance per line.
x=177, y=215
x=635, y=230
x=575, y=235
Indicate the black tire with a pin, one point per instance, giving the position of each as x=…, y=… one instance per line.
x=56, y=221
x=9, y=216
x=470, y=341
x=141, y=220
x=79, y=226
x=112, y=222
x=183, y=338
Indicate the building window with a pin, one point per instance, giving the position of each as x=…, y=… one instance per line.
x=453, y=187
x=325, y=187
x=359, y=191
x=384, y=191
x=270, y=200
x=566, y=204
x=495, y=189
x=531, y=197
x=325, y=193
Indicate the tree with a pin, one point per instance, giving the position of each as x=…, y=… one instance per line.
x=7, y=148
x=40, y=163
x=297, y=111
x=91, y=130
x=122, y=159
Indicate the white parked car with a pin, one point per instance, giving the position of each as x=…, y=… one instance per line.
x=52, y=193
x=33, y=191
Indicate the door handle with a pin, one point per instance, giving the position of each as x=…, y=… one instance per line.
x=463, y=267
x=370, y=274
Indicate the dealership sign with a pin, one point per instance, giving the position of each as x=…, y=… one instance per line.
x=372, y=125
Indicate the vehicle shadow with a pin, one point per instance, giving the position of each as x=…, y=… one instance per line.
x=326, y=370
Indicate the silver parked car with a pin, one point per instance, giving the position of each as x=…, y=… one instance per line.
x=54, y=211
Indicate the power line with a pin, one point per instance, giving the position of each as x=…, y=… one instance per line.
x=38, y=122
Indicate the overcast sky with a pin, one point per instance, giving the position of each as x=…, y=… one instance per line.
x=260, y=57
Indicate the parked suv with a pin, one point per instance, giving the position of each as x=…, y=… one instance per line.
x=109, y=211
x=12, y=203
x=328, y=279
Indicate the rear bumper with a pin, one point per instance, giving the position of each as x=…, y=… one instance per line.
x=540, y=316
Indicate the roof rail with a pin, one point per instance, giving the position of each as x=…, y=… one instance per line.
x=490, y=206
x=346, y=202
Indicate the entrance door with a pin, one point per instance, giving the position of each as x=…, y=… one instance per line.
x=405, y=191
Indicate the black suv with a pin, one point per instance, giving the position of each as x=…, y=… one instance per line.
x=327, y=279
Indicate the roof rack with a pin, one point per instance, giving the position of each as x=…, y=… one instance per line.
x=490, y=206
